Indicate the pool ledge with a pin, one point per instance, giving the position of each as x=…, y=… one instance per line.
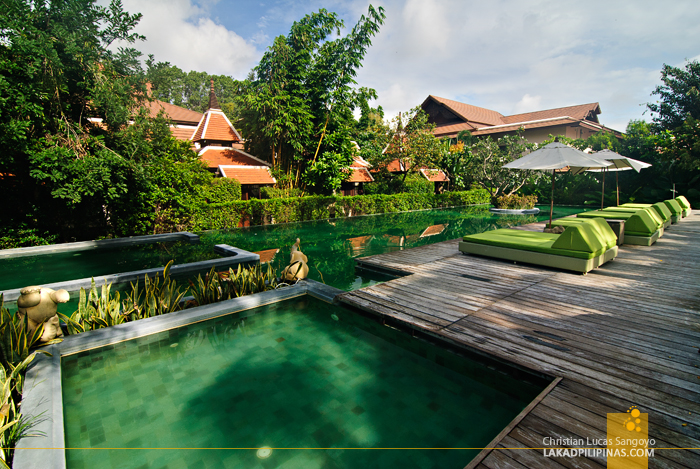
x=42, y=388
x=231, y=256
x=99, y=244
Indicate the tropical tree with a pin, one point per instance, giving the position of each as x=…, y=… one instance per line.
x=679, y=96
x=411, y=143
x=297, y=106
x=82, y=158
x=487, y=157
x=191, y=89
x=455, y=158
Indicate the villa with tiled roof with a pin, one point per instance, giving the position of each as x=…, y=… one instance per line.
x=218, y=144
x=359, y=175
x=451, y=117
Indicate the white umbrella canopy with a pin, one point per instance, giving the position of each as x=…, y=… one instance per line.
x=619, y=163
x=555, y=156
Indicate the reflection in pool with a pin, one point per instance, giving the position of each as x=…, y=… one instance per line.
x=331, y=245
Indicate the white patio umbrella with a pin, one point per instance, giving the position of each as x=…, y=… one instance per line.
x=619, y=163
x=556, y=156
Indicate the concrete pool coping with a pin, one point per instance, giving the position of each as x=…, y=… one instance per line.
x=99, y=244
x=42, y=394
x=230, y=256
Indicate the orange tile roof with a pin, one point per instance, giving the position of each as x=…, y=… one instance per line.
x=360, y=175
x=480, y=121
x=395, y=166
x=453, y=129
x=526, y=125
x=248, y=174
x=268, y=255
x=214, y=125
x=182, y=132
x=579, y=112
x=434, y=175
x=359, y=162
x=357, y=245
x=217, y=156
x=177, y=114
x=433, y=230
x=471, y=113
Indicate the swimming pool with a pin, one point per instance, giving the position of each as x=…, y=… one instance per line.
x=19, y=272
x=332, y=245
x=293, y=374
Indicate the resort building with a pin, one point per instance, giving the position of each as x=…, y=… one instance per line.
x=360, y=174
x=218, y=144
x=399, y=167
x=451, y=117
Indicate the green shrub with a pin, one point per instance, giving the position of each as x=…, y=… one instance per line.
x=220, y=286
x=222, y=190
x=268, y=211
x=267, y=192
x=516, y=201
x=390, y=184
x=417, y=185
x=23, y=236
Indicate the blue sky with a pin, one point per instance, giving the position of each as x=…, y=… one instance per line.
x=509, y=56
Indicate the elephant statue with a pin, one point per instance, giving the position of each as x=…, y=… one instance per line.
x=297, y=268
x=40, y=306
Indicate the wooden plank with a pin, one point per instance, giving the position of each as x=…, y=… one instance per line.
x=535, y=458
x=688, y=436
x=560, y=410
x=577, y=365
x=496, y=441
x=624, y=328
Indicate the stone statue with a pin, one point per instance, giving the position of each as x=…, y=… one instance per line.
x=297, y=268
x=40, y=306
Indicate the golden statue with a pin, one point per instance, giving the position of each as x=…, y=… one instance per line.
x=40, y=306
x=297, y=268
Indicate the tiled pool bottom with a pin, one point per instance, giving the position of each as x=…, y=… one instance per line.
x=294, y=374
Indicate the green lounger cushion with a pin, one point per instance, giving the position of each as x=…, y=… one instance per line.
x=683, y=202
x=637, y=223
x=660, y=208
x=578, y=248
x=579, y=241
x=674, y=207
x=650, y=210
x=599, y=225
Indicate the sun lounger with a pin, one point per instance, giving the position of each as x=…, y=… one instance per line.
x=676, y=210
x=685, y=205
x=640, y=227
x=579, y=248
x=661, y=209
x=658, y=219
x=599, y=225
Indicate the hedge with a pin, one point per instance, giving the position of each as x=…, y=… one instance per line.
x=232, y=214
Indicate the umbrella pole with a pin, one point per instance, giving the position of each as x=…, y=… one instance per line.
x=602, y=192
x=617, y=182
x=551, y=203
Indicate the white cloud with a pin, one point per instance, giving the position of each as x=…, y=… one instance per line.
x=180, y=33
x=528, y=104
x=507, y=55
x=514, y=56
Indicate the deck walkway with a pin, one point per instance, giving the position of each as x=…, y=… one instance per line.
x=626, y=334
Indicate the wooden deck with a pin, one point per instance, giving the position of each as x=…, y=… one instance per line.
x=626, y=334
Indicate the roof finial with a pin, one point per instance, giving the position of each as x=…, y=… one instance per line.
x=213, y=102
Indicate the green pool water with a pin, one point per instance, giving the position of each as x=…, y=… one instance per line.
x=295, y=374
x=49, y=268
x=332, y=245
